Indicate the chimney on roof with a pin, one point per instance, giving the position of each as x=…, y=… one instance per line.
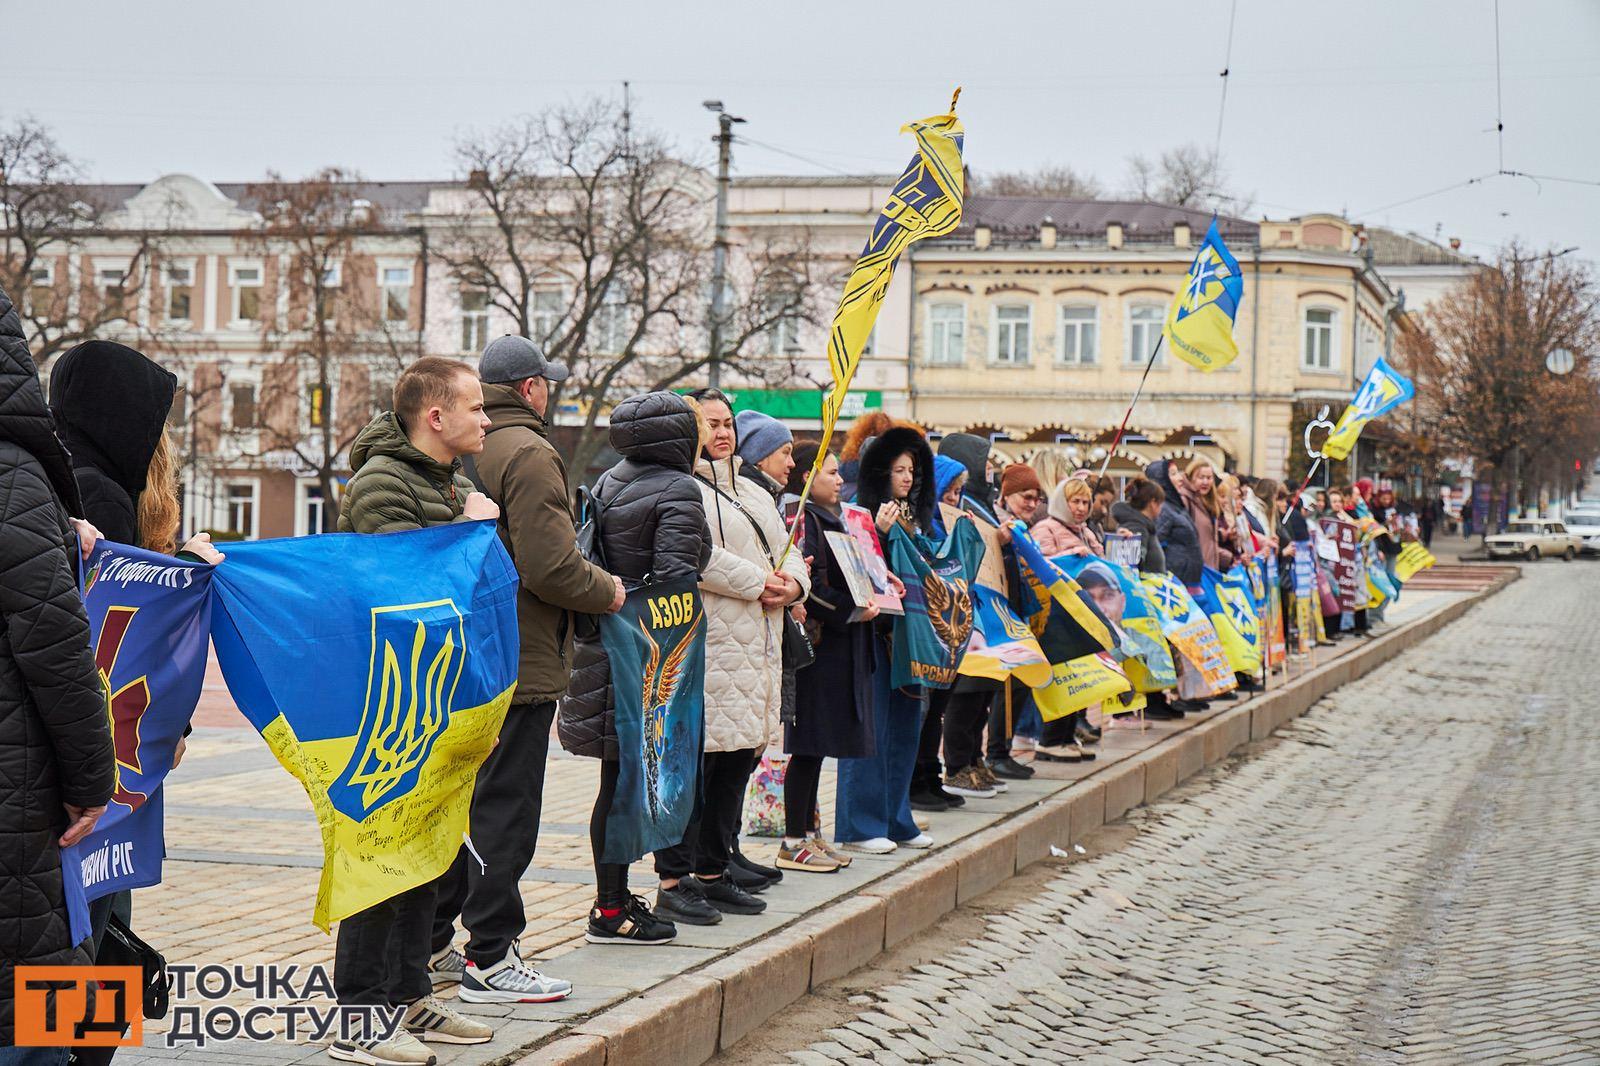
x=1047, y=233
x=1180, y=234
x=360, y=212
x=1113, y=235
x=478, y=179
x=981, y=235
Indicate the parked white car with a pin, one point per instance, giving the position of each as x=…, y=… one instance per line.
x=1532, y=538
x=1587, y=528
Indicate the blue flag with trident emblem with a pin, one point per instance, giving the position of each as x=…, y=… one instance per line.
x=1200, y=321
x=378, y=669
x=1384, y=389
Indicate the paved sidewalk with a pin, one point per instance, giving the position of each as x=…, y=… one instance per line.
x=244, y=860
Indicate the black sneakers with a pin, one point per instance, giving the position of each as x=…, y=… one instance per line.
x=1010, y=768
x=929, y=800
x=683, y=902
x=769, y=873
x=729, y=898
x=634, y=925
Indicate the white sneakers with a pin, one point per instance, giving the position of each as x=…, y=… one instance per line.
x=920, y=841
x=511, y=981
x=874, y=846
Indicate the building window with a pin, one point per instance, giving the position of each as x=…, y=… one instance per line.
x=396, y=283
x=947, y=334
x=1320, y=350
x=246, y=283
x=544, y=316
x=180, y=291
x=317, y=413
x=178, y=413
x=313, y=512
x=1079, y=344
x=42, y=292
x=112, y=282
x=474, y=320
x=783, y=334
x=380, y=393
x=241, y=502
x=1012, y=331
x=1144, y=329
x=244, y=406
x=871, y=347
x=610, y=330
x=325, y=294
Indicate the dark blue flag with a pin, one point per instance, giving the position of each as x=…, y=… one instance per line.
x=149, y=616
x=657, y=650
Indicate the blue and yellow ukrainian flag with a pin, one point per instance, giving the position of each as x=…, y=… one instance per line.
x=1384, y=389
x=925, y=202
x=1002, y=645
x=1200, y=322
x=378, y=669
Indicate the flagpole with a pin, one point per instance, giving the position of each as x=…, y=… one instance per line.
x=1149, y=364
x=1295, y=499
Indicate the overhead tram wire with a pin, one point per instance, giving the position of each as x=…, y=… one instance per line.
x=1227, y=65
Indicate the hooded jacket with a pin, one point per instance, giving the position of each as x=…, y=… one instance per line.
x=945, y=471
x=744, y=641
x=1152, y=560
x=111, y=405
x=651, y=526
x=521, y=471
x=55, y=746
x=1180, y=541
x=872, y=490
x=398, y=486
x=972, y=452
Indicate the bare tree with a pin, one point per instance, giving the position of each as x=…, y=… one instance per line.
x=337, y=328
x=1185, y=176
x=592, y=239
x=1479, y=366
x=47, y=214
x=1051, y=180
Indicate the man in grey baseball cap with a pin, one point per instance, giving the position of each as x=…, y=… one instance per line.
x=511, y=359
x=520, y=469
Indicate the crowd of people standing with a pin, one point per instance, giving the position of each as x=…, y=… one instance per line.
x=700, y=493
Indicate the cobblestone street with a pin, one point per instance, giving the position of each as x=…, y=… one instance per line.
x=1406, y=874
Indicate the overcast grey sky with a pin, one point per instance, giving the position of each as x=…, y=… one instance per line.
x=1347, y=106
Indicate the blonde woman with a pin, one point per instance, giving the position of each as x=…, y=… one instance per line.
x=1204, y=503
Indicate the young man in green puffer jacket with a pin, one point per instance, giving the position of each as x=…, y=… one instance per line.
x=407, y=476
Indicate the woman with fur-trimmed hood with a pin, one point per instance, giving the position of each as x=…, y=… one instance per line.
x=874, y=794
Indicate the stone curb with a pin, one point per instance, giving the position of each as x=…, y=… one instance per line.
x=688, y=1018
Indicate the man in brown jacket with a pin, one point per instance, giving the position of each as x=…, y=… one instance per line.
x=521, y=471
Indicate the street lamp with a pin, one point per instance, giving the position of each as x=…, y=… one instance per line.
x=719, y=255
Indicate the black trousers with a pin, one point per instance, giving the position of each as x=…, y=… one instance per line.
x=1062, y=731
x=927, y=773
x=964, y=719
x=800, y=783
x=610, y=878
x=1000, y=728
x=382, y=954
x=707, y=845
x=506, y=802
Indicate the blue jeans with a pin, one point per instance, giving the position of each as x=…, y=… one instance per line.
x=874, y=794
x=33, y=1056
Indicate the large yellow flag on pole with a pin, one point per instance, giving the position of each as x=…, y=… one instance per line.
x=925, y=202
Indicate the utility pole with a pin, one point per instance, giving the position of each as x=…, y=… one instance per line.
x=719, y=258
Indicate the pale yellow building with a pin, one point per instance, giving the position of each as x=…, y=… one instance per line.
x=1032, y=324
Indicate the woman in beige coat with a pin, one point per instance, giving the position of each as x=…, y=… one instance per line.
x=745, y=595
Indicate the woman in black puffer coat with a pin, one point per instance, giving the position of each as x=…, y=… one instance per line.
x=652, y=526
x=55, y=745
x=1180, y=541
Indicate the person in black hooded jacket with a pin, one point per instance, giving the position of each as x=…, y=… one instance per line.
x=1180, y=541
x=111, y=405
x=55, y=743
x=873, y=808
x=652, y=527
